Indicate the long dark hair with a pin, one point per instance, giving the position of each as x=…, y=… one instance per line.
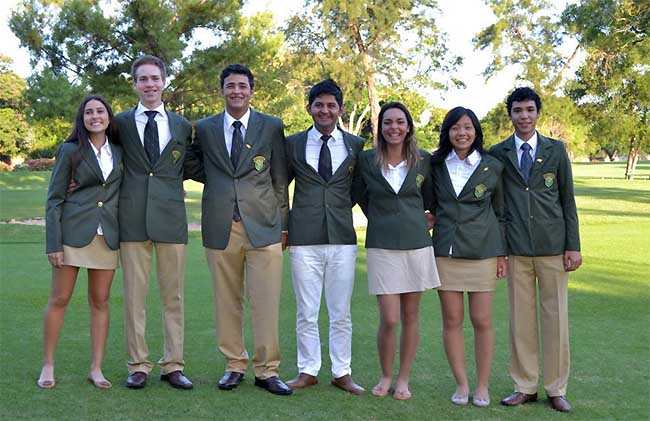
x=452, y=117
x=410, y=150
x=79, y=132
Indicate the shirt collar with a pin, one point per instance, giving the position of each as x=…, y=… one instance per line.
x=402, y=164
x=471, y=159
x=532, y=141
x=161, y=110
x=336, y=135
x=105, y=149
x=244, y=119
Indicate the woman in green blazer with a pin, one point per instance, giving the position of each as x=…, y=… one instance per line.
x=392, y=186
x=81, y=229
x=469, y=244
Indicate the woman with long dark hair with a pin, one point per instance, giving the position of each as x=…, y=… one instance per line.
x=469, y=244
x=392, y=186
x=82, y=231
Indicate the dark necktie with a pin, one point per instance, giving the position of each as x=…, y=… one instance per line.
x=235, y=152
x=526, y=163
x=237, y=143
x=325, y=159
x=151, y=145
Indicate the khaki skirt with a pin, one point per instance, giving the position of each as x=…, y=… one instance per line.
x=467, y=275
x=96, y=255
x=401, y=271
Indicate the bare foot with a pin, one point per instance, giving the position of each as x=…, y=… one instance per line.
x=96, y=377
x=382, y=388
x=46, y=380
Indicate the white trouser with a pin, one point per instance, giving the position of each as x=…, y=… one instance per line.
x=328, y=266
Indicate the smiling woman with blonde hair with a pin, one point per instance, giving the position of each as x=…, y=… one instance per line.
x=392, y=186
x=82, y=231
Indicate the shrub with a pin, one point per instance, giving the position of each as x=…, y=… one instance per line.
x=38, y=164
x=47, y=136
x=4, y=167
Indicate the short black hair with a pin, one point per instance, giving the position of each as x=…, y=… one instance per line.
x=237, y=69
x=326, y=87
x=523, y=94
x=452, y=117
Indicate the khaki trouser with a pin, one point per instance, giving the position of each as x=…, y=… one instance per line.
x=527, y=275
x=263, y=272
x=170, y=269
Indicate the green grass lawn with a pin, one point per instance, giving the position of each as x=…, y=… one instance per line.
x=609, y=321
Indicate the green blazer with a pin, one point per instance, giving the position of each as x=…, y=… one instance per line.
x=472, y=222
x=395, y=220
x=541, y=216
x=72, y=218
x=259, y=182
x=152, y=205
x=321, y=212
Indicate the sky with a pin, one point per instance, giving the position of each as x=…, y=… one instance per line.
x=460, y=19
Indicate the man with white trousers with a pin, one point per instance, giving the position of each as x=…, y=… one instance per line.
x=322, y=241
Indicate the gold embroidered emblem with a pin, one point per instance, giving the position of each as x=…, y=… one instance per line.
x=548, y=179
x=419, y=179
x=480, y=190
x=176, y=155
x=258, y=161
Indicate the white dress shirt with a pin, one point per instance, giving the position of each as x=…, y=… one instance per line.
x=228, y=128
x=461, y=170
x=164, y=134
x=395, y=175
x=533, y=147
x=337, y=147
x=104, y=157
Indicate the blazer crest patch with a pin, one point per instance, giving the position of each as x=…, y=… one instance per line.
x=549, y=177
x=259, y=161
x=480, y=190
x=176, y=155
x=419, y=179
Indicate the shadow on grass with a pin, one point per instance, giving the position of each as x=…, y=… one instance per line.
x=604, y=212
x=611, y=193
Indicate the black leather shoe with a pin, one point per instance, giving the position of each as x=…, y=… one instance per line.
x=136, y=380
x=177, y=380
x=230, y=380
x=273, y=385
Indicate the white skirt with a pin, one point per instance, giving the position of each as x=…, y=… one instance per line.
x=401, y=271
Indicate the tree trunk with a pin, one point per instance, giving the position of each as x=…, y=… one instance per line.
x=373, y=99
x=632, y=159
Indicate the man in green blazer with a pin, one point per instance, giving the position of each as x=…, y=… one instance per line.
x=239, y=156
x=152, y=216
x=543, y=246
x=322, y=240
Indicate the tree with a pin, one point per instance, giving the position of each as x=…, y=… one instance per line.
x=14, y=131
x=529, y=36
x=366, y=44
x=75, y=40
x=613, y=84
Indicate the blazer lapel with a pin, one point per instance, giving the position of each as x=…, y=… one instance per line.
x=343, y=168
x=474, y=178
x=446, y=179
x=117, y=160
x=132, y=131
x=301, y=152
x=90, y=159
x=253, y=132
x=218, y=142
x=511, y=152
x=541, y=155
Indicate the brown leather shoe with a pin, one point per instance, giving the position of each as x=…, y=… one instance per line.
x=230, y=380
x=559, y=403
x=136, y=380
x=274, y=385
x=346, y=383
x=518, y=398
x=177, y=380
x=302, y=381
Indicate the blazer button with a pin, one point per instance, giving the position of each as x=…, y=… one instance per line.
x=527, y=188
x=150, y=174
x=100, y=204
x=103, y=184
x=531, y=216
